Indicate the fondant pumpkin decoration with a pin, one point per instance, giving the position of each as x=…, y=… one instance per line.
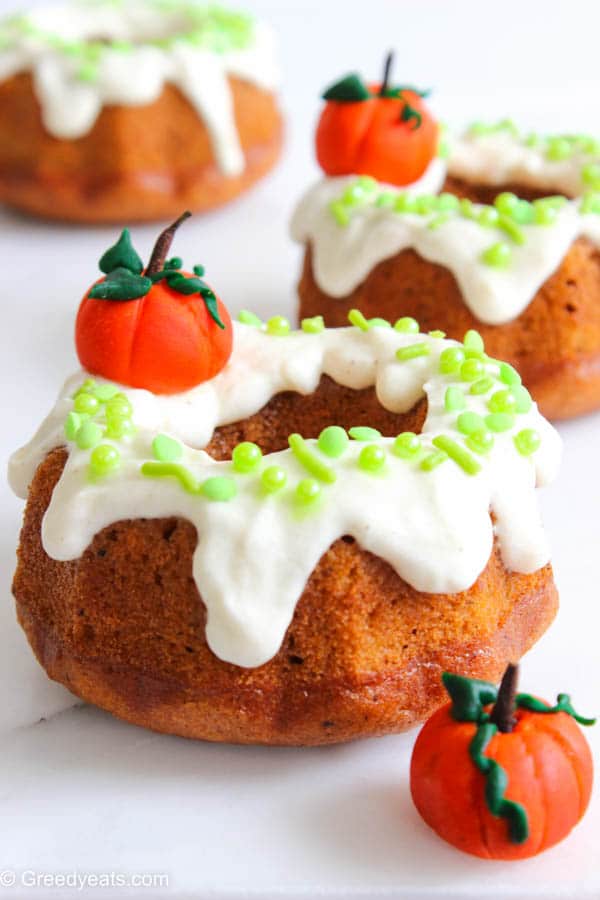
x=161, y=328
x=379, y=130
x=503, y=781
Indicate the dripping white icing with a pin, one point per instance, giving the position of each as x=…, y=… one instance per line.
x=255, y=553
x=136, y=76
x=344, y=256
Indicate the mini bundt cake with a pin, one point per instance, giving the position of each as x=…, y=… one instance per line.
x=122, y=112
x=293, y=549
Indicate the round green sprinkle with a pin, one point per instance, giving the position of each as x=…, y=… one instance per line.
x=527, y=441
x=523, y=401
x=119, y=428
x=72, y=425
x=371, y=458
x=405, y=203
x=273, y=479
x=413, y=351
x=406, y=445
x=500, y=421
x=88, y=387
x=473, y=341
x=105, y=392
x=502, y=402
x=454, y=399
x=468, y=422
x=333, y=441
x=379, y=323
x=364, y=433
x=249, y=318
x=407, y=325
x=88, y=435
x=506, y=203
x=166, y=449
x=104, y=459
x=523, y=213
x=448, y=202
x=220, y=488
x=278, y=326
x=543, y=214
x=482, y=385
x=385, y=200
x=558, y=148
x=356, y=318
x=480, y=441
x=451, y=360
x=246, y=457
x=307, y=491
x=509, y=375
x=85, y=403
x=488, y=217
x=467, y=209
x=471, y=370
x=425, y=203
x=590, y=175
x=498, y=255
x=315, y=325
x=119, y=407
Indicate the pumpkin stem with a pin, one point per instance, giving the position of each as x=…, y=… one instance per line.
x=163, y=245
x=502, y=714
x=387, y=70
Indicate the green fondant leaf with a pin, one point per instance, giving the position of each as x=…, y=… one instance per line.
x=563, y=704
x=468, y=696
x=122, y=256
x=410, y=114
x=121, y=284
x=397, y=91
x=350, y=89
x=211, y=305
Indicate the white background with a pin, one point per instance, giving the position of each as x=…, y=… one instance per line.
x=81, y=791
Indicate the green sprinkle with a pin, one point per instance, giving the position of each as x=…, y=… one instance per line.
x=498, y=255
x=371, y=458
x=457, y=453
x=523, y=213
x=340, y=212
x=454, y=399
x=119, y=407
x=425, y=204
x=174, y=470
x=471, y=370
x=273, y=479
x=500, y=421
x=433, y=460
x=278, y=326
x=413, y=351
x=307, y=491
x=166, y=449
x=88, y=435
x=86, y=403
x=467, y=209
x=72, y=425
x=468, y=422
x=104, y=460
x=105, y=392
x=315, y=325
x=405, y=203
x=506, y=203
x=448, y=203
x=482, y=385
x=311, y=462
x=590, y=175
x=451, y=360
x=333, y=441
x=508, y=374
x=522, y=397
x=558, y=148
x=473, y=341
x=249, y=318
x=510, y=227
x=364, y=433
x=407, y=445
x=590, y=203
x=220, y=488
x=436, y=333
x=439, y=220
x=407, y=325
x=480, y=441
x=119, y=428
x=246, y=457
x=379, y=323
x=88, y=387
x=502, y=402
x=386, y=200
x=488, y=217
x=356, y=318
x=527, y=441
x=543, y=214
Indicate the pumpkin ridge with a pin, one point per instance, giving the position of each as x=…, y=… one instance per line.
x=557, y=738
x=135, y=331
x=542, y=786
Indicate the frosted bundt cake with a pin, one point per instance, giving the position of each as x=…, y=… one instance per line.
x=134, y=111
x=293, y=549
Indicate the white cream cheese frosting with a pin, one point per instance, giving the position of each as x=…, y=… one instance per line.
x=344, y=252
x=427, y=514
x=86, y=55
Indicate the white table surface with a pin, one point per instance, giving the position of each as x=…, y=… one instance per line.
x=82, y=792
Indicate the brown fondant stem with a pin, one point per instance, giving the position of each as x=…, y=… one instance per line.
x=502, y=714
x=163, y=245
x=387, y=69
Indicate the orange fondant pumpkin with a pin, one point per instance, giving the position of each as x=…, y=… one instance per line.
x=501, y=785
x=378, y=130
x=163, y=330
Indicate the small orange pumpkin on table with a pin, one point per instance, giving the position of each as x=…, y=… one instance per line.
x=505, y=781
x=161, y=328
x=380, y=130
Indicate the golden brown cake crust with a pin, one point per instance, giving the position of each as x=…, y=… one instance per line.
x=554, y=343
x=124, y=626
x=138, y=163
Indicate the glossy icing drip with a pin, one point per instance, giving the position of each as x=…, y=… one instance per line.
x=344, y=255
x=84, y=56
x=256, y=552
